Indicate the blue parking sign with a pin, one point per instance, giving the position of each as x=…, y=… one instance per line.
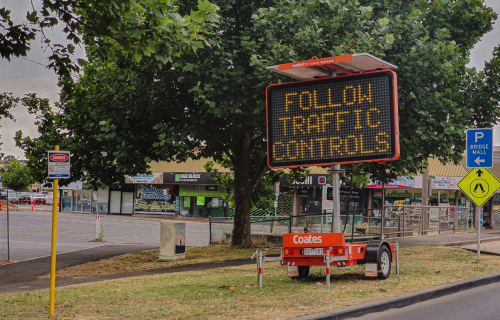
x=480, y=148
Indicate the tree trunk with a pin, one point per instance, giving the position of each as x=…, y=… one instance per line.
x=242, y=195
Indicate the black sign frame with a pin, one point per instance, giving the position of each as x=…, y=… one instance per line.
x=394, y=122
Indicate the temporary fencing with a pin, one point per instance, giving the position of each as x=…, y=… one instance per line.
x=4, y=232
x=361, y=225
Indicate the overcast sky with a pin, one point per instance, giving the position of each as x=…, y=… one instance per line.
x=21, y=76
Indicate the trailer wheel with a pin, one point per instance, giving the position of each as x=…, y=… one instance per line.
x=384, y=263
x=303, y=272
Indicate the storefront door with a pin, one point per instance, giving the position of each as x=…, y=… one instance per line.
x=115, y=201
x=127, y=203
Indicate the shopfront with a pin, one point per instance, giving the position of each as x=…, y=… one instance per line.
x=308, y=195
x=190, y=194
x=76, y=197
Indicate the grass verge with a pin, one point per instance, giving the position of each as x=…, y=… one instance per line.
x=231, y=293
x=147, y=260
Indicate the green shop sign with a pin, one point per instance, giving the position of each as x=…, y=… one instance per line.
x=213, y=194
x=417, y=193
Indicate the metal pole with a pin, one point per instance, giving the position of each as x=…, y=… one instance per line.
x=328, y=270
x=322, y=222
x=439, y=218
x=478, y=234
x=8, y=228
x=383, y=213
x=397, y=259
x=336, y=225
x=54, y=246
x=404, y=214
x=209, y=229
x=260, y=270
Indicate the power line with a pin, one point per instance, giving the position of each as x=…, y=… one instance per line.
x=34, y=61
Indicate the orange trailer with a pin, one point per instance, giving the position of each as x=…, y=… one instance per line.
x=303, y=250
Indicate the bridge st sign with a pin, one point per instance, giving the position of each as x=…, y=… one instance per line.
x=479, y=148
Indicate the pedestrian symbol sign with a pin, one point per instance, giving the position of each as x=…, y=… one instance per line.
x=479, y=185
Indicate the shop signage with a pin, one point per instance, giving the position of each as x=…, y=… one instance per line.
x=201, y=193
x=154, y=178
x=327, y=198
x=187, y=178
x=416, y=193
x=312, y=180
x=154, y=193
x=346, y=119
x=479, y=185
x=59, y=164
x=440, y=182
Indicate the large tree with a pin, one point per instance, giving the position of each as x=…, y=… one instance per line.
x=121, y=115
x=134, y=28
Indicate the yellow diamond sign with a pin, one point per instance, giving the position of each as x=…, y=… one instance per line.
x=479, y=185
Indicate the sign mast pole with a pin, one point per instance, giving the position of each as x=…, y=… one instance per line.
x=336, y=225
x=54, y=245
x=478, y=218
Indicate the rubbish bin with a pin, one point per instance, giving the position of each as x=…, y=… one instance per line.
x=172, y=240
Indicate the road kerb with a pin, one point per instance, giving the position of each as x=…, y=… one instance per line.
x=403, y=300
x=463, y=243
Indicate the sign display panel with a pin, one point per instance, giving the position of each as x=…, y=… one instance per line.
x=59, y=164
x=345, y=119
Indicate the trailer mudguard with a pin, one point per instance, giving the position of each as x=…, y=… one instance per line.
x=372, y=250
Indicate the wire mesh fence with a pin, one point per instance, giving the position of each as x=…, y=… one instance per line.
x=4, y=233
x=396, y=221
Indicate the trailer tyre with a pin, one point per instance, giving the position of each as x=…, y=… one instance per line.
x=303, y=272
x=384, y=263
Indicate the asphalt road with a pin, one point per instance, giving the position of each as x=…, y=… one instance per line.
x=478, y=303
x=30, y=233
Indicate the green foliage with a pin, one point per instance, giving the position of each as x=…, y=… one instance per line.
x=211, y=103
x=17, y=176
x=108, y=28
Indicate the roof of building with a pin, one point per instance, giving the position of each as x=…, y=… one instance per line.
x=436, y=168
x=197, y=166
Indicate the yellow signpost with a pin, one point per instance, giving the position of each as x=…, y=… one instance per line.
x=479, y=185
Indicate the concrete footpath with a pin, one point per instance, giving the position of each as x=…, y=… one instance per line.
x=23, y=276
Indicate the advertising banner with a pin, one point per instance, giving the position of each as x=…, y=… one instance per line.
x=154, y=178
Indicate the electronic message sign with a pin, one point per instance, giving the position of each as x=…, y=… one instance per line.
x=346, y=119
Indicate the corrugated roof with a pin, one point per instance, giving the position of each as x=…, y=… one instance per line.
x=197, y=166
x=187, y=166
x=436, y=168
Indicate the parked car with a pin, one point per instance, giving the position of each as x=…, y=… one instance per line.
x=49, y=199
x=13, y=198
x=24, y=197
x=38, y=199
x=3, y=195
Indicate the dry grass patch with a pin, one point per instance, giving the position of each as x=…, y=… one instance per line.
x=147, y=260
x=231, y=293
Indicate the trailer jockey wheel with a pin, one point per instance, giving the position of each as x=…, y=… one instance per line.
x=383, y=263
x=303, y=272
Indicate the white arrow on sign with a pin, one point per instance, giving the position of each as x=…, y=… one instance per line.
x=479, y=161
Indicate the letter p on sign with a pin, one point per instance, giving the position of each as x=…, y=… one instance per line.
x=478, y=135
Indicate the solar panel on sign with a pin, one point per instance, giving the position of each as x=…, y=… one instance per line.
x=334, y=120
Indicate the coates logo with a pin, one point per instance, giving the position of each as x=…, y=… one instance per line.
x=59, y=157
x=307, y=239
